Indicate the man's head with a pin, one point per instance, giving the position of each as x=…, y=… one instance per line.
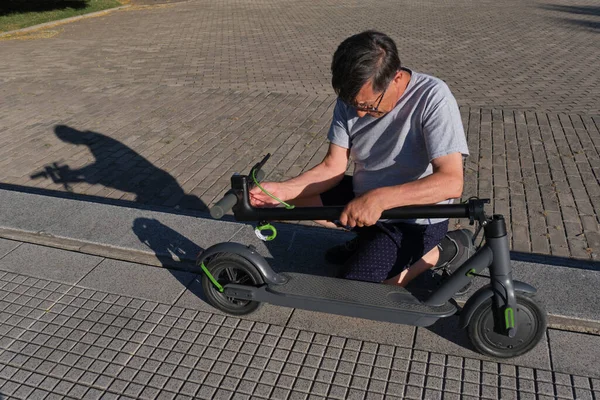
x=364, y=67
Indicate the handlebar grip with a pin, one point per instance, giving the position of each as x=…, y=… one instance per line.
x=221, y=207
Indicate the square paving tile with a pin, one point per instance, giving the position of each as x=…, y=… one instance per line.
x=135, y=280
x=6, y=246
x=575, y=353
x=49, y=263
x=355, y=328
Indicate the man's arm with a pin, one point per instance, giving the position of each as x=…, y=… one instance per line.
x=322, y=177
x=317, y=180
x=446, y=182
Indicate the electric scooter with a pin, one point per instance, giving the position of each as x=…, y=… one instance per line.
x=502, y=319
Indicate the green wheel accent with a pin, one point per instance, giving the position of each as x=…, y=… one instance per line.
x=487, y=340
x=268, y=227
x=470, y=273
x=212, y=279
x=509, y=317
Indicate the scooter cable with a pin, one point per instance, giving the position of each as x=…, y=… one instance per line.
x=287, y=206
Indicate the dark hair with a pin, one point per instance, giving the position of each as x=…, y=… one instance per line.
x=369, y=55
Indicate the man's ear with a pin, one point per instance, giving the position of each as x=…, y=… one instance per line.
x=398, y=76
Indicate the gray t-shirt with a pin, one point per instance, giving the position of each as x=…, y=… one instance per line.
x=398, y=147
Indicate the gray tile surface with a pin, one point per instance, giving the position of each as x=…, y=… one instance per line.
x=562, y=290
x=575, y=353
x=6, y=246
x=136, y=280
x=355, y=328
x=64, y=340
x=49, y=263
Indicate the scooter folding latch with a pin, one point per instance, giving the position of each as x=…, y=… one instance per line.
x=477, y=211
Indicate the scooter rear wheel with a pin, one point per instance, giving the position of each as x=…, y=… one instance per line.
x=530, y=320
x=230, y=268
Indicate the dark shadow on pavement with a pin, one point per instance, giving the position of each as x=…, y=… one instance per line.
x=581, y=10
x=120, y=167
x=173, y=250
x=593, y=25
x=593, y=11
x=555, y=260
x=25, y=6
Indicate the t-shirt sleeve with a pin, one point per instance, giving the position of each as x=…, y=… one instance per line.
x=443, y=129
x=338, y=131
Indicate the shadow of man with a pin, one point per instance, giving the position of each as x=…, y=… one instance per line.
x=120, y=167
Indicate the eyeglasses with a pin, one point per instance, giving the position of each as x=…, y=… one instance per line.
x=375, y=109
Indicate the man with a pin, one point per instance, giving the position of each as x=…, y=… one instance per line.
x=404, y=134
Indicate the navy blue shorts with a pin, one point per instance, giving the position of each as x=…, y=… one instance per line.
x=385, y=249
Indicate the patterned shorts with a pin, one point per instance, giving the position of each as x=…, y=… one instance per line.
x=385, y=249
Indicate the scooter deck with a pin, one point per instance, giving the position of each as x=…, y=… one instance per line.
x=369, y=300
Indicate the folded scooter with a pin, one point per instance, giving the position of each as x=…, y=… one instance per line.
x=502, y=319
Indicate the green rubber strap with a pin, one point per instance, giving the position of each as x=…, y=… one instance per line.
x=288, y=206
x=212, y=279
x=470, y=273
x=268, y=227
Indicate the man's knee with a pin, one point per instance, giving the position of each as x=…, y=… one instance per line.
x=376, y=256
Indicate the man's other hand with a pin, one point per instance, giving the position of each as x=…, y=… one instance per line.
x=364, y=210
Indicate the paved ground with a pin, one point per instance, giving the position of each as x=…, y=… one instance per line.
x=87, y=327
x=175, y=97
x=105, y=317
x=160, y=103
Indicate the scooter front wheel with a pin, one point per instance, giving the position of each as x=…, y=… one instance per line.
x=530, y=320
x=230, y=268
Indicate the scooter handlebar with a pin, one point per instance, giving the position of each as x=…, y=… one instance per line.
x=230, y=199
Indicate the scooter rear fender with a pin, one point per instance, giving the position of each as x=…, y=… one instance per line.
x=247, y=252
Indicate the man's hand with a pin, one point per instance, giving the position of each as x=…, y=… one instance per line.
x=260, y=199
x=364, y=210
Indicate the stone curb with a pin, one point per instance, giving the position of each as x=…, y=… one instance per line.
x=95, y=249
x=560, y=322
x=61, y=21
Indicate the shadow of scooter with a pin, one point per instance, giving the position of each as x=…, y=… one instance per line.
x=174, y=251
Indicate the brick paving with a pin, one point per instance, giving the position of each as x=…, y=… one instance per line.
x=176, y=97
x=515, y=54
